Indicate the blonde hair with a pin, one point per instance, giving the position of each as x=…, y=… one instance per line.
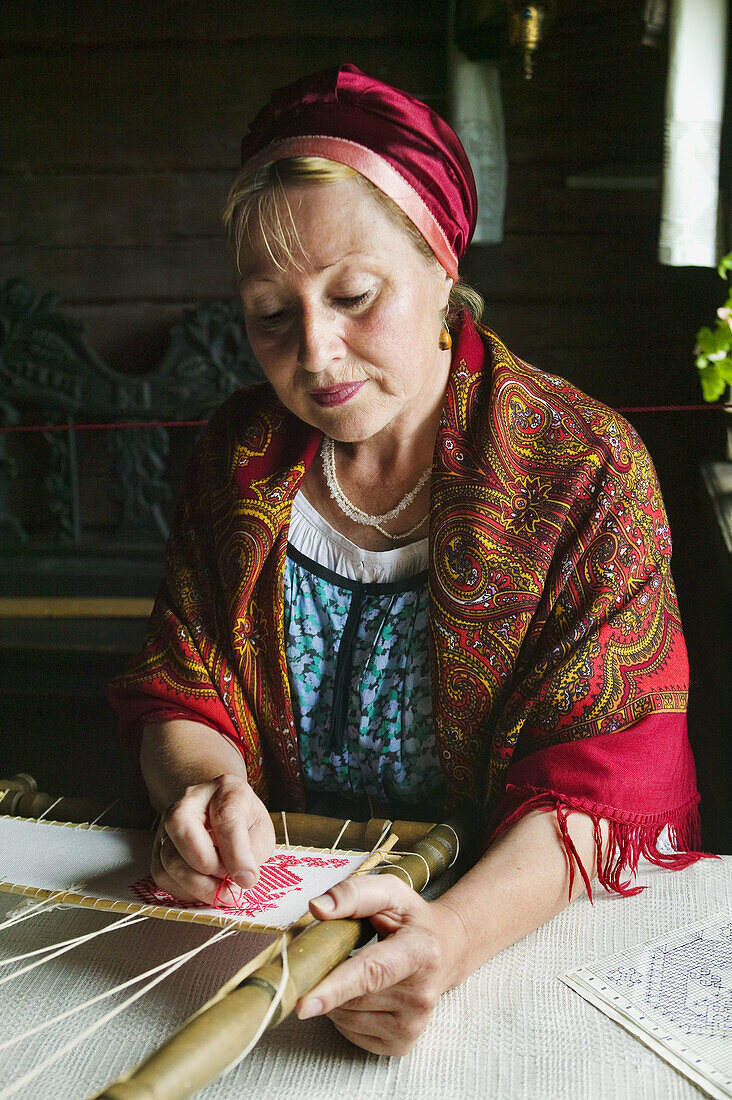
x=258, y=198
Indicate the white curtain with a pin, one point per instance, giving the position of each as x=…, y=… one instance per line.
x=694, y=105
x=476, y=112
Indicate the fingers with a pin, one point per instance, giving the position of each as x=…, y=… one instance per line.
x=392, y=1033
x=390, y=1018
x=378, y=896
x=216, y=829
x=369, y=979
x=242, y=830
x=176, y=877
x=372, y=1043
x=382, y=997
x=185, y=823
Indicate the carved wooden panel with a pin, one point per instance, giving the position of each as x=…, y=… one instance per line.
x=49, y=374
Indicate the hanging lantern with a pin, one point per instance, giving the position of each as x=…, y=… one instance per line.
x=527, y=26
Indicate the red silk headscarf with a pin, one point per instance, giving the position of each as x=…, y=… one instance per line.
x=394, y=140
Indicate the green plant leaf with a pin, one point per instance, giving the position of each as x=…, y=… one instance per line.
x=725, y=265
x=724, y=366
x=714, y=343
x=705, y=340
x=712, y=383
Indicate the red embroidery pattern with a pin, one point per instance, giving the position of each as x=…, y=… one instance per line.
x=277, y=879
x=148, y=891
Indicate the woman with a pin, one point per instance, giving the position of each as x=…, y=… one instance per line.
x=410, y=569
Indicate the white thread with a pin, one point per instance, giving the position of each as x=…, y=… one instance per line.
x=284, y=826
x=395, y=867
x=268, y=1014
x=166, y=968
x=33, y=910
x=48, y=809
x=457, y=843
x=170, y=968
x=80, y=1007
x=334, y=845
x=68, y=944
x=75, y=889
x=101, y=815
x=420, y=856
x=55, y=949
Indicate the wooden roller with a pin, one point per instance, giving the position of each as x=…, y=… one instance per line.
x=10, y=789
x=30, y=802
x=359, y=836
x=20, y=796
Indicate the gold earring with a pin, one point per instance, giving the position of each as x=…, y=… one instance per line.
x=445, y=342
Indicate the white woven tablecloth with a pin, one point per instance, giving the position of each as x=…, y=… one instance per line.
x=513, y=1030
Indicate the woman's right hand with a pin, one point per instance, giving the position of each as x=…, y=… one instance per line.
x=217, y=828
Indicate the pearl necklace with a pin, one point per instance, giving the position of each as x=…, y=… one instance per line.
x=357, y=514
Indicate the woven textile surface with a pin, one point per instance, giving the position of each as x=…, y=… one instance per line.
x=110, y=867
x=513, y=1030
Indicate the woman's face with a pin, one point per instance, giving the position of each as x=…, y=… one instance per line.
x=348, y=336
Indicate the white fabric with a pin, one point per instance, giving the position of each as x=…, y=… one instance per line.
x=694, y=106
x=476, y=114
x=110, y=868
x=314, y=537
x=513, y=1030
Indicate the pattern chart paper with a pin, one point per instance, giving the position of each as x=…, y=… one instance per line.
x=675, y=995
x=109, y=869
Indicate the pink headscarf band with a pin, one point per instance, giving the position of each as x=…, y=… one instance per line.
x=388, y=136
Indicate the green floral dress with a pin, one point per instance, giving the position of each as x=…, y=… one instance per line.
x=357, y=656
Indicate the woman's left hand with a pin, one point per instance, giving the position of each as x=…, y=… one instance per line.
x=381, y=999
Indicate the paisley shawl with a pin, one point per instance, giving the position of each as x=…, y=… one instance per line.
x=559, y=670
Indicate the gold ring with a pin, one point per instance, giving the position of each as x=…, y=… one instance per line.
x=162, y=842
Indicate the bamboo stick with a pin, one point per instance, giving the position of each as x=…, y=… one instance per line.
x=212, y=1040
x=20, y=796
x=35, y=803
x=12, y=790
x=322, y=832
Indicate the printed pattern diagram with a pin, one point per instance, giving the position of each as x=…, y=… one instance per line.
x=689, y=984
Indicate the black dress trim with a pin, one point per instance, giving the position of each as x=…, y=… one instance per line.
x=370, y=588
x=337, y=735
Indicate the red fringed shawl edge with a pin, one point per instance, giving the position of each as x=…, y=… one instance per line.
x=623, y=779
x=617, y=855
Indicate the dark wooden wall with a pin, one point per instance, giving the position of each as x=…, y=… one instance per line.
x=119, y=136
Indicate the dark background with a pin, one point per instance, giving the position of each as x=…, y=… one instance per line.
x=119, y=137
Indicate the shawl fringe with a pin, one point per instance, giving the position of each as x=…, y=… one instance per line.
x=616, y=858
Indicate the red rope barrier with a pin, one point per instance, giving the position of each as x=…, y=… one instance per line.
x=28, y=428
x=724, y=406
x=103, y=427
